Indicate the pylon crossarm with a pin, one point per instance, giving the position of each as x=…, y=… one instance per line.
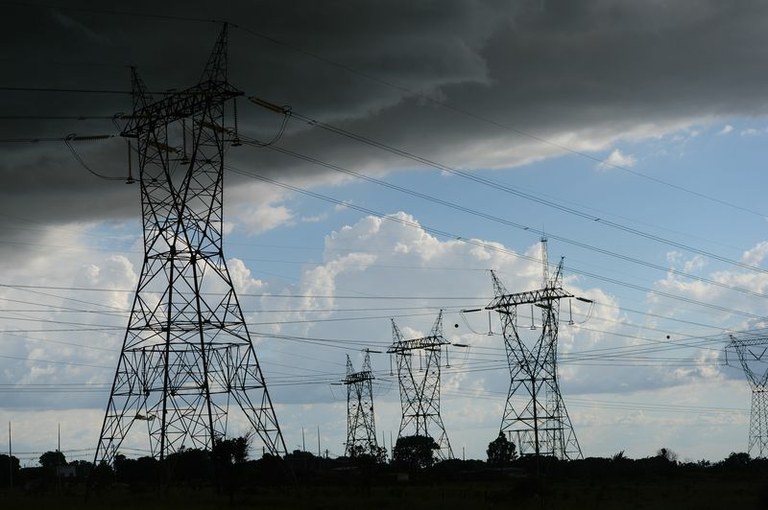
x=427, y=342
x=358, y=377
x=751, y=352
x=178, y=106
x=542, y=296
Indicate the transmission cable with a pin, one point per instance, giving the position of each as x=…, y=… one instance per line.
x=444, y=234
x=445, y=104
x=71, y=138
x=497, y=219
x=508, y=189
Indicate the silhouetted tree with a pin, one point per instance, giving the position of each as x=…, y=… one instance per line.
x=102, y=476
x=144, y=470
x=49, y=460
x=363, y=455
x=232, y=451
x=414, y=452
x=736, y=460
x=9, y=470
x=189, y=465
x=83, y=468
x=230, y=456
x=667, y=454
x=501, y=451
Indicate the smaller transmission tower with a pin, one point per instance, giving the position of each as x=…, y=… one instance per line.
x=753, y=355
x=361, y=426
x=535, y=416
x=420, y=392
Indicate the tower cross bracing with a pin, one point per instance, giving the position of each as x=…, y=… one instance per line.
x=535, y=417
x=753, y=356
x=187, y=353
x=361, y=423
x=420, y=385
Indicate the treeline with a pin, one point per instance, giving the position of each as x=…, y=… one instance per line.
x=228, y=468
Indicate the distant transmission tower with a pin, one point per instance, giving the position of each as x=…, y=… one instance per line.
x=420, y=385
x=187, y=352
x=535, y=416
x=361, y=426
x=753, y=355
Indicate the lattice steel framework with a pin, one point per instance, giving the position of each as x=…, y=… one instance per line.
x=420, y=386
x=361, y=424
x=535, y=417
x=753, y=355
x=187, y=353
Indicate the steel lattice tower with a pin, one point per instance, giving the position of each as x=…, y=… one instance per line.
x=420, y=393
x=361, y=426
x=540, y=426
x=187, y=353
x=752, y=353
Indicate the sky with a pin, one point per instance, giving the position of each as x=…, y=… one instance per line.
x=429, y=143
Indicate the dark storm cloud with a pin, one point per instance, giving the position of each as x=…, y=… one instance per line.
x=598, y=69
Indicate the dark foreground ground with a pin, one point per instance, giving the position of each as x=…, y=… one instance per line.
x=690, y=491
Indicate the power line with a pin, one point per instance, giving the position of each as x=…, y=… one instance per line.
x=65, y=90
x=57, y=117
x=509, y=189
x=352, y=70
x=114, y=12
x=55, y=362
x=445, y=104
x=510, y=223
x=68, y=138
x=445, y=234
x=249, y=294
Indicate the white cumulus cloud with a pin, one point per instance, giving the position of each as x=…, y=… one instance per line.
x=617, y=159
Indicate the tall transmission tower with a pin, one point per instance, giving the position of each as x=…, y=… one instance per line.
x=361, y=425
x=534, y=415
x=420, y=385
x=753, y=355
x=187, y=353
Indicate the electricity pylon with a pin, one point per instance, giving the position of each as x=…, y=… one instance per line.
x=187, y=353
x=534, y=415
x=753, y=355
x=361, y=425
x=420, y=392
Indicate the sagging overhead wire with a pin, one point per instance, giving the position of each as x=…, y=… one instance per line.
x=55, y=138
x=74, y=138
x=369, y=77
x=68, y=141
x=55, y=117
x=284, y=110
x=501, y=186
x=488, y=246
x=503, y=221
x=444, y=103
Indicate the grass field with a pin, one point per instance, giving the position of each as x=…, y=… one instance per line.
x=699, y=491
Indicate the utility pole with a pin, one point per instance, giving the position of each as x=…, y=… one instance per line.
x=420, y=392
x=540, y=425
x=752, y=353
x=10, y=457
x=187, y=353
x=361, y=423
